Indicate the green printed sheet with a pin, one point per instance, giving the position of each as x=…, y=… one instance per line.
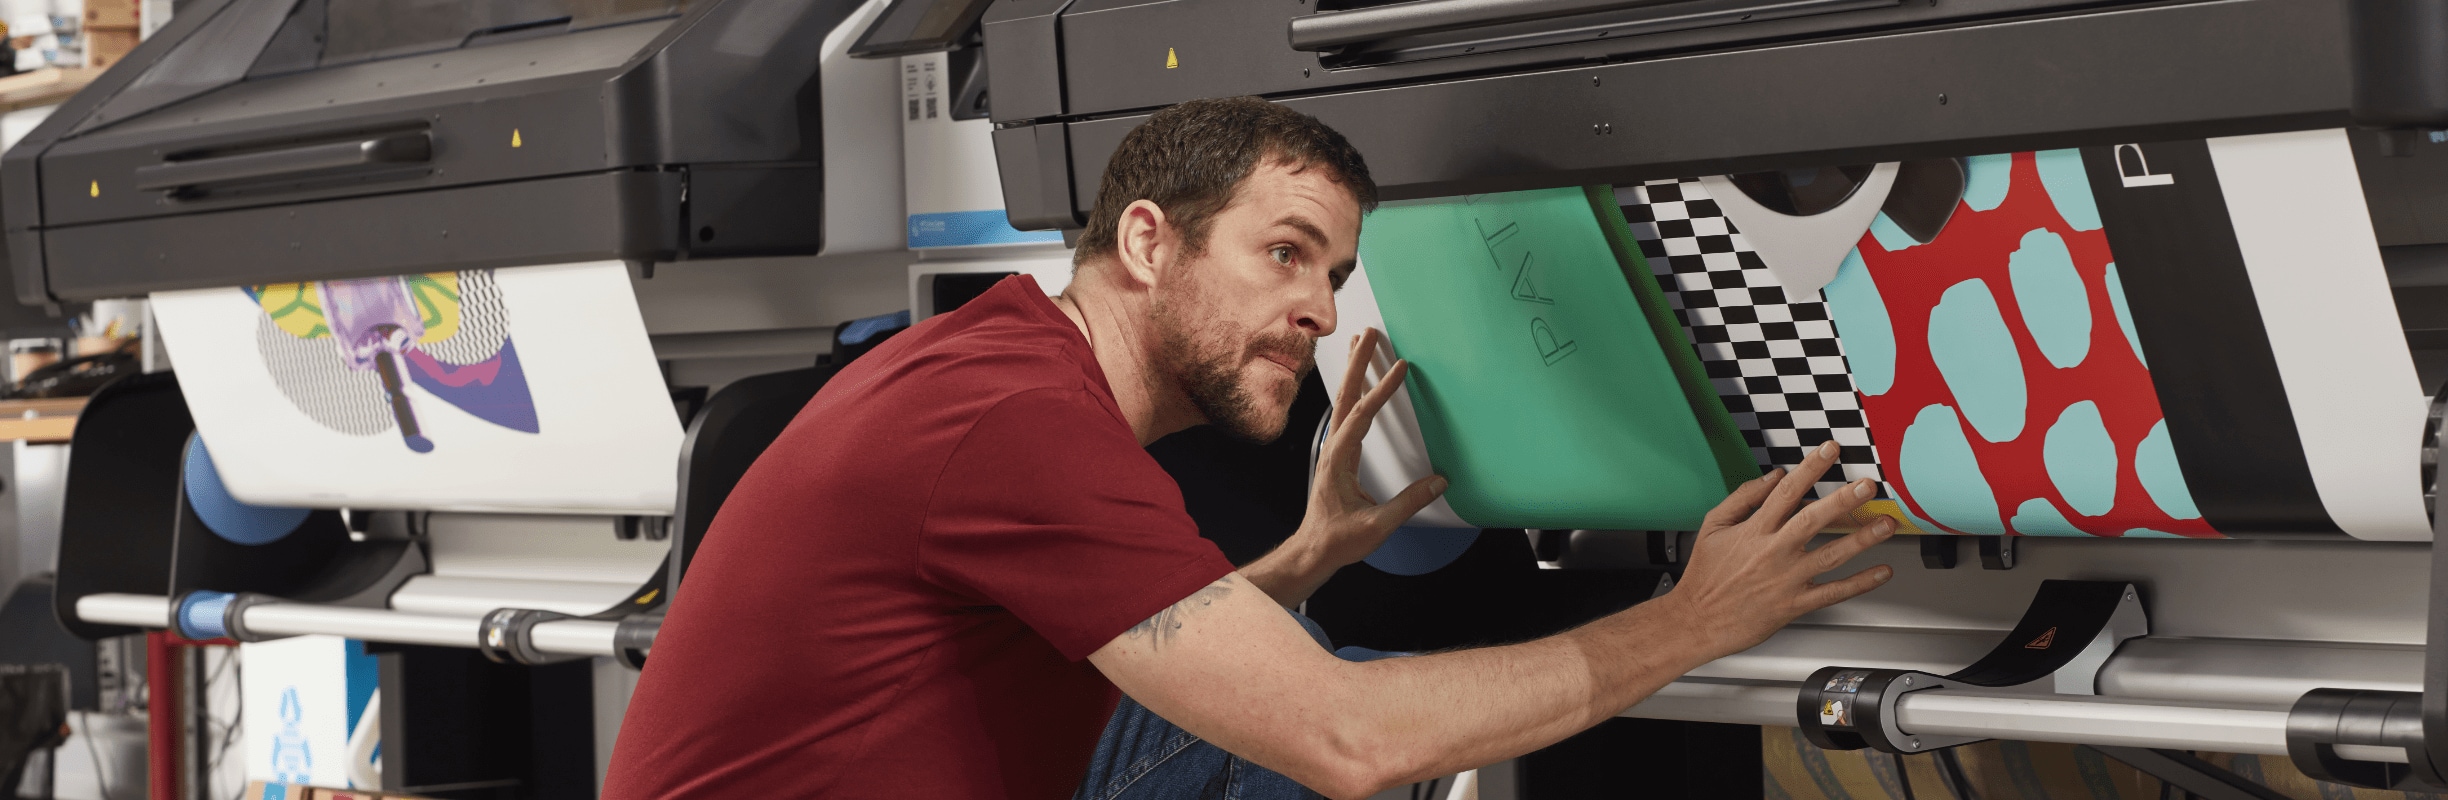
x=1549, y=391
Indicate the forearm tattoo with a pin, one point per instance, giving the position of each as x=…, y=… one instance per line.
x=1166, y=624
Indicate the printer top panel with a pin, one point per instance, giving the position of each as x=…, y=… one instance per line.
x=373, y=82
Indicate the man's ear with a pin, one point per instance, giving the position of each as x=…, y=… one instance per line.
x=1143, y=242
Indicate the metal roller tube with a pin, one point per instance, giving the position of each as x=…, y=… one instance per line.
x=591, y=637
x=574, y=636
x=139, y=610
x=2096, y=720
x=301, y=619
x=2051, y=718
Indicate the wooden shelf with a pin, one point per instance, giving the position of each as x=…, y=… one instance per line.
x=39, y=421
x=43, y=87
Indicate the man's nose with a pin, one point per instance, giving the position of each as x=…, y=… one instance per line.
x=1315, y=315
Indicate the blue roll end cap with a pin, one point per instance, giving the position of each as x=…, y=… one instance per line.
x=204, y=615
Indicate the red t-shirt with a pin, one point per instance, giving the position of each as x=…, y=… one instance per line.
x=898, y=598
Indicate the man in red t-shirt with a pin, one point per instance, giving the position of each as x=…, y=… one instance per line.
x=933, y=582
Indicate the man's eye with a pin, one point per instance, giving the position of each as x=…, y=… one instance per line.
x=1282, y=255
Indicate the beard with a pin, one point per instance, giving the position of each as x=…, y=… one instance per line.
x=1211, y=370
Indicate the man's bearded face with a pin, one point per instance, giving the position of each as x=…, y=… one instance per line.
x=1241, y=381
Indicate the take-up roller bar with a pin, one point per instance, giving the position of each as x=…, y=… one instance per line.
x=2359, y=708
x=524, y=636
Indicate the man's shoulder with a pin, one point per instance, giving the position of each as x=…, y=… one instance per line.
x=991, y=358
x=953, y=370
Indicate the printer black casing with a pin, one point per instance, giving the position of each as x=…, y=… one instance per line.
x=230, y=150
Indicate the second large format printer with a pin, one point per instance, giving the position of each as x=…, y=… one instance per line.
x=451, y=238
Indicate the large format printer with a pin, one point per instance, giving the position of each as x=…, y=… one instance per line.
x=2314, y=635
x=435, y=279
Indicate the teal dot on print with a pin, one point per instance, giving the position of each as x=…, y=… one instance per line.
x=1861, y=321
x=1942, y=475
x=2061, y=172
x=2036, y=517
x=2155, y=463
x=1976, y=355
x=1986, y=179
x=2082, y=460
x=2116, y=301
x=2050, y=296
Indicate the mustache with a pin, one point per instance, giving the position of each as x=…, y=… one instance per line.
x=1292, y=346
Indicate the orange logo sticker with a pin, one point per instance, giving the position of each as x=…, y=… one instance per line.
x=2047, y=638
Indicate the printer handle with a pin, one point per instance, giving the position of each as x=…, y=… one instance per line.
x=397, y=149
x=1329, y=30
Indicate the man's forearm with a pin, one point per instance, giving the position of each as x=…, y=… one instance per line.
x=1291, y=572
x=1460, y=710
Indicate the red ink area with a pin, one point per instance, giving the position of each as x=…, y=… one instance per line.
x=1979, y=244
x=479, y=373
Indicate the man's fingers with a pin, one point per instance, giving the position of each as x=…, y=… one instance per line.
x=1825, y=511
x=1738, y=504
x=1837, y=591
x=1364, y=412
x=1788, y=493
x=1413, y=498
x=1834, y=554
x=1355, y=377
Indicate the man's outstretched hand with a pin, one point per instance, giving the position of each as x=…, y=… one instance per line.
x=1343, y=524
x=1752, y=569
x=1348, y=523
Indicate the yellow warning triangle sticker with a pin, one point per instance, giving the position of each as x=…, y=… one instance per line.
x=2047, y=638
x=1171, y=61
x=514, y=138
x=94, y=190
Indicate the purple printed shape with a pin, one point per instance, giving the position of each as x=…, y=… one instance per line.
x=495, y=390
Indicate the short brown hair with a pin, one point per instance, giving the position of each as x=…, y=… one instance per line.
x=1190, y=160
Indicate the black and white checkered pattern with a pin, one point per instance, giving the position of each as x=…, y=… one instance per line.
x=1775, y=360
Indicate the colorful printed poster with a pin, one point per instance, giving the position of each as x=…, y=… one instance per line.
x=528, y=389
x=2192, y=338
x=1997, y=361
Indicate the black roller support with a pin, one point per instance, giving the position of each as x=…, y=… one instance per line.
x=1998, y=552
x=2067, y=632
x=1940, y=551
x=1663, y=549
x=2325, y=718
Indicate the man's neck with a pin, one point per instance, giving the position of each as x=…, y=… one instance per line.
x=1122, y=338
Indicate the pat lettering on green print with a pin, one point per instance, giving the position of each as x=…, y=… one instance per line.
x=1517, y=261
x=1542, y=388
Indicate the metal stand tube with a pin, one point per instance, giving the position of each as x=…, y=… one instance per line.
x=275, y=619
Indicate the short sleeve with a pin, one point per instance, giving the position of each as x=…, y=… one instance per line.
x=1051, y=509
